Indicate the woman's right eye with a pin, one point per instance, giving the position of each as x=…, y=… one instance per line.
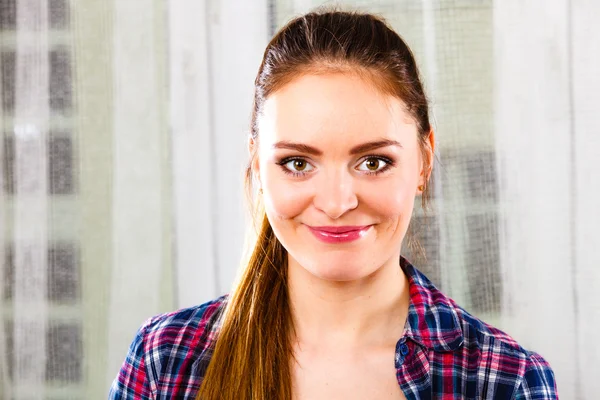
x=297, y=165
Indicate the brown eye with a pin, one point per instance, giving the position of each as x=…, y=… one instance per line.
x=299, y=165
x=372, y=164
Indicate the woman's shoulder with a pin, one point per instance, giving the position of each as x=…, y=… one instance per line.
x=503, y=359
x=184, y=335
x=170, y=352
x=186, y=324
x=442, y=324
x=438, y=323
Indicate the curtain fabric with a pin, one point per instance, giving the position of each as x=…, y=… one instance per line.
x=124, y=139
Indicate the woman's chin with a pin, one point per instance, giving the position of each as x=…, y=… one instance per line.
x=340, y=266
x=339, y=272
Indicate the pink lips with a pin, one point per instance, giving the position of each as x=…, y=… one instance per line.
x=339, y=234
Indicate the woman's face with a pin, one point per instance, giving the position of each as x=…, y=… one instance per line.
x=339, y=164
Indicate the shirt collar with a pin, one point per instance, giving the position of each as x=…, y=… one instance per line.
x=433, y=320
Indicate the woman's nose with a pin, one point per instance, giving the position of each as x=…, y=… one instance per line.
x=335, y=195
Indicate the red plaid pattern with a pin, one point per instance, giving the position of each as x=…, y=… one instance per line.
x=445, y=353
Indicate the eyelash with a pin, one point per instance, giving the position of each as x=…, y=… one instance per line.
x=389, y=163
x=288, y=171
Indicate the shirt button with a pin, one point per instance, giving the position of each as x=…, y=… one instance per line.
x=404, y=349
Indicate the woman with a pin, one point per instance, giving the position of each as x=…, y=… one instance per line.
x=326, y=308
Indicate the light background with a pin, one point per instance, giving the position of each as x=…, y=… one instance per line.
x=124, y=140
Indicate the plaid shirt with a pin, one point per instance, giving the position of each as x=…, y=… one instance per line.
x=445, y=353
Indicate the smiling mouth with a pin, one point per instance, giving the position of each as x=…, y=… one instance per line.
x=339, y=234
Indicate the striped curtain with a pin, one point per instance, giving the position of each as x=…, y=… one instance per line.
x=124, y=130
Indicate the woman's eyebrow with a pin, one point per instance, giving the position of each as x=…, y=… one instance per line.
x=302, y=148
x=361, y=148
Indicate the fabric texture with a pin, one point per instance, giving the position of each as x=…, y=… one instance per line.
x=444, y=353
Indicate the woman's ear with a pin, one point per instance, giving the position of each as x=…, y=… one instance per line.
x=254, y=164
x=431, y=153
x=428, y=157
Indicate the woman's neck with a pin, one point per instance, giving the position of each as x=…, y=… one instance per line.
x=368, y=312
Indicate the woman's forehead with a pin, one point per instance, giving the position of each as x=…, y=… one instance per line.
x=343, y=108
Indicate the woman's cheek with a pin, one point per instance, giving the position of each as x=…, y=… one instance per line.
x=389, y=199
x=285, y=199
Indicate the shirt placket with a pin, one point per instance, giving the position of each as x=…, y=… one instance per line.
x=413, y=370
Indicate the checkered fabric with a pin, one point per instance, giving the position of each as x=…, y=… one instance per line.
x=444, y=353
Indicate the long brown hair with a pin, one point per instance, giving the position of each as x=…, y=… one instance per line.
x=253, y=351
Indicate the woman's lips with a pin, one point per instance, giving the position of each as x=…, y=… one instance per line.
x=339, y=234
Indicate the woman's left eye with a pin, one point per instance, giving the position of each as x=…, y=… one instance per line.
x=372, y=164
x=298, y=165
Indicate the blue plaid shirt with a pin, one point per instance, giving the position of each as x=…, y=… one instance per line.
x=444, y=353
